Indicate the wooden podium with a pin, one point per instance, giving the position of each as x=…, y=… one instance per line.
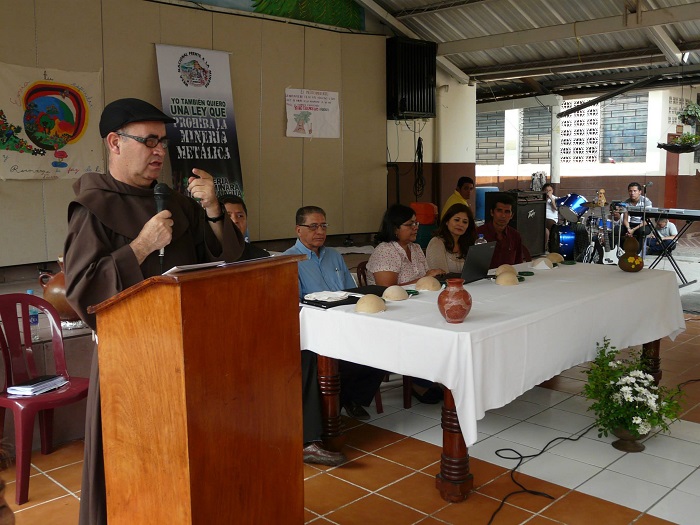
x=200, y=377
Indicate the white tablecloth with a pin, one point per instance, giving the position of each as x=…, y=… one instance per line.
x=514, y=338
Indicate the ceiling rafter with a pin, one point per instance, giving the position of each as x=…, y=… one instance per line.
x=575, y=30
x=436, y=8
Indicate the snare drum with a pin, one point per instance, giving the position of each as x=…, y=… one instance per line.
x=607, y=225
x=572, y=207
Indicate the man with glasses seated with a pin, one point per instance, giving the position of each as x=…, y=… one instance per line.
x=509, y=244
x=116, y=237
x=324, y=270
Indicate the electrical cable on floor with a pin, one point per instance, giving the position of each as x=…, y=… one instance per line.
x=517, y=455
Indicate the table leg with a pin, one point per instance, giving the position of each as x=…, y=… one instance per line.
x=651, y=359
x=329, y=382
x=454, y=480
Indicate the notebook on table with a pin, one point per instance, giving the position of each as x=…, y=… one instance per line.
x=476, y=264
x=356, y=293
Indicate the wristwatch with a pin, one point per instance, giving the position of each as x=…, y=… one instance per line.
x=217, y=218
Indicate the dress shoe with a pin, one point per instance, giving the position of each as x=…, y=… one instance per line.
x=431, y=396
x=314, y=453
x=356, y=411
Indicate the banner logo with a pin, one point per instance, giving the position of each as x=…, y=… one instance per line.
x=194, y=70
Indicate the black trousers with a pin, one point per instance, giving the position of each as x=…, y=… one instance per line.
x=310, y=397
x=358, y=383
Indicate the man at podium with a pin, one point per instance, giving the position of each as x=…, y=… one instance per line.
x=118, y=235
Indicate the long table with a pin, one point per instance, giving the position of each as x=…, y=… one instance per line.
x=514, y=338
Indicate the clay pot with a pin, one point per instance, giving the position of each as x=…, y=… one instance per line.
x=454, y=302
x=630, y=261
x=627, y=441
x=54, y=286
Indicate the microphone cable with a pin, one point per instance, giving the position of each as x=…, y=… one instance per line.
x=520, y=457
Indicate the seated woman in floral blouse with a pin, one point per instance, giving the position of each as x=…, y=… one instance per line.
x=451, y=241
x=397, y=259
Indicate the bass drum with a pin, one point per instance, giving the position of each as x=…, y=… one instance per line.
x=569, y=240
x=572, y=207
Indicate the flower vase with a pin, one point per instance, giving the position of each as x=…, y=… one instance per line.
x=454, y=302
x=627, y=441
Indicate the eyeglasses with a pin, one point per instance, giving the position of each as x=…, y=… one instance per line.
x=313, y=227
x=150, y=142
x=412, y=224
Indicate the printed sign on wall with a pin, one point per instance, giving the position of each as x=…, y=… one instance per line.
x=312, y=113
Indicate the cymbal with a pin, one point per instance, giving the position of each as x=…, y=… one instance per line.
x=591, y=204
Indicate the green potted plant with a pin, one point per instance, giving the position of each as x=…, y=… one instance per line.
x=626, y=401
x=690, y=114
x=686, y=143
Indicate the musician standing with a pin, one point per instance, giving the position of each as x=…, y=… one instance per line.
x=633, y=226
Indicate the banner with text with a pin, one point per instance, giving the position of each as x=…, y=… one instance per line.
x=195, y=86
x=49, y=123
x=312, y=113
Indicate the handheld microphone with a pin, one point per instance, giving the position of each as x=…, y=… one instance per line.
x=649, y=184
x=161, y=193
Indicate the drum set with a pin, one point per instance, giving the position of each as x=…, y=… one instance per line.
x=581, y=228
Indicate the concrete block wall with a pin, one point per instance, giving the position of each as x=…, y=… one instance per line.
x=490, y=133
x=535, y=136
x=623, y=134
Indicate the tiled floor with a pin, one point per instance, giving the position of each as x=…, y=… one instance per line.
x=393, y=459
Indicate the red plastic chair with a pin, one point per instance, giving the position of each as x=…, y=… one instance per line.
x=18, y=357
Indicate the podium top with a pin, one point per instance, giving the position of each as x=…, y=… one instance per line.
x=188, y=276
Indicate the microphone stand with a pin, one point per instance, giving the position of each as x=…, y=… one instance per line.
x=644, y=220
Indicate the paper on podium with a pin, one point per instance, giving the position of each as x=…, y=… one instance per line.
x=191, y=267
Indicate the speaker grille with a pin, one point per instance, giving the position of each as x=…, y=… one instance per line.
x=410, y=78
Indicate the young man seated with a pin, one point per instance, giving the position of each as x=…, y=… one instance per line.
x=667, y=231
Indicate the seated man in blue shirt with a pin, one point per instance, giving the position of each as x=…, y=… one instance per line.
x=325, y=270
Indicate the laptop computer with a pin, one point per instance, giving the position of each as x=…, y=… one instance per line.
x=476, y=263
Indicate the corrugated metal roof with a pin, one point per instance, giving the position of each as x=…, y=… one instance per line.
x=571, y=45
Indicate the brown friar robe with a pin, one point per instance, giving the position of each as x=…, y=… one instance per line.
x=104, y=218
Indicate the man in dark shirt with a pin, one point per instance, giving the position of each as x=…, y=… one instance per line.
x=509, y=244
x=238, y=213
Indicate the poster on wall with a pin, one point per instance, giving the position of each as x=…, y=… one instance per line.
x=195, y=86
x=49, y=123
x=312, y=113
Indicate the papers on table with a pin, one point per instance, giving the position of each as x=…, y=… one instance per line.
x=38, y=385
x=327, y=296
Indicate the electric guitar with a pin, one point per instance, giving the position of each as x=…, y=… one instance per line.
x=609, y=255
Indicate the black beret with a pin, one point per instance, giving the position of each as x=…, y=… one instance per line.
x=121, y=112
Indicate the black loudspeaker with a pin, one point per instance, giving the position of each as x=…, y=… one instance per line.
x=528, y=218
x=410, y=78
